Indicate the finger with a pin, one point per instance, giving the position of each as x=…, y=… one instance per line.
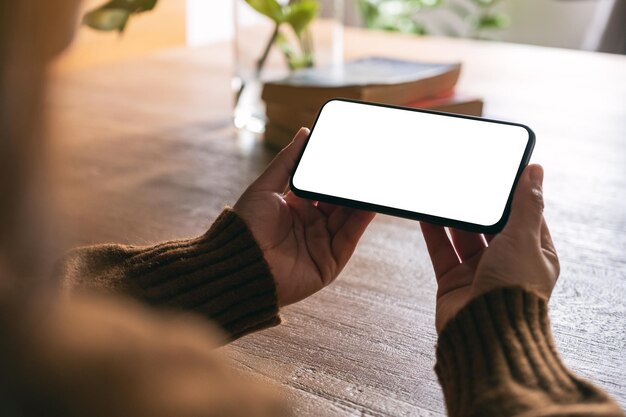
x=467, y=244
x=527, y=208
x=276, y=175
x=546, y=237
x=547, y=245
x=348, y=236
x=440, y=249
x=489, y=238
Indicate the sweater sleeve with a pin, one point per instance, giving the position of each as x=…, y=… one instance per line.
x=221, y=275
x=497, y=358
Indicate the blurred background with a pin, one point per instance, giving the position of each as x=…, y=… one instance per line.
x=594, y=25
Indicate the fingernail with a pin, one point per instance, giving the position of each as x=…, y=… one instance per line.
x=536, y=174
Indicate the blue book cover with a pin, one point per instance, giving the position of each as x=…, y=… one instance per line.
x=365, y=72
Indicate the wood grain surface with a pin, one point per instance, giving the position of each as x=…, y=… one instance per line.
x=148, y=153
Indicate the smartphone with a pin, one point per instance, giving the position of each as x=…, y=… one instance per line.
x=446, y=169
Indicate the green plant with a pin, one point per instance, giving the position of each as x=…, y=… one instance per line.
x=487, y=19
x=395, y=15
x=296, y=15
x=114, y=14
x=479, y=16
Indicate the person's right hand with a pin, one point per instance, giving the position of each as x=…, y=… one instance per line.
x=521, y=255
x=305, y=243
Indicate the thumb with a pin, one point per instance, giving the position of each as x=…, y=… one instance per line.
x=527, y=208
x=276, y=175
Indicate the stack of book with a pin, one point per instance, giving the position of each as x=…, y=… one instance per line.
x=294, y=101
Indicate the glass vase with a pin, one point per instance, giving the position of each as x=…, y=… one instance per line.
x=264, y=53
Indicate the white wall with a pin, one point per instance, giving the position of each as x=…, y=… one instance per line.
x=209, y=21
x=560, y=23
x=214, y=20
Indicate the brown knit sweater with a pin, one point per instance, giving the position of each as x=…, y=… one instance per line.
x=496, y=358
x=221, y=275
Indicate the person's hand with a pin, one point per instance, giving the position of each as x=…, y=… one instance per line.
x=305, y=243
x=471, y=264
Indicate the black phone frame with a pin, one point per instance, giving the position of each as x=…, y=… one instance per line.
x=441, y=221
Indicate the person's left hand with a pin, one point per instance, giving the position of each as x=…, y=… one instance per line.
x=305, y=243
x=468, y=265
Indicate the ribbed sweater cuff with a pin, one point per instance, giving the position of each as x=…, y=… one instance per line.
x=497, y=357
x=222, y=275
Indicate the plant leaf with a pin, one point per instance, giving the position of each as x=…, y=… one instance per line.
x=493, y=21
x=107, y=19
x=133, y=6
x=114, y=14
x=146, y=5
x=269, y=8
x=300, y=15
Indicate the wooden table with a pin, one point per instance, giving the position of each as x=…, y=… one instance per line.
x=149, y=154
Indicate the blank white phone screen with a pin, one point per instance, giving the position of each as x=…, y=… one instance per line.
x=450, y=167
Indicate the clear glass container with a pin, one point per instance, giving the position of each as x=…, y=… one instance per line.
x=263, y=53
